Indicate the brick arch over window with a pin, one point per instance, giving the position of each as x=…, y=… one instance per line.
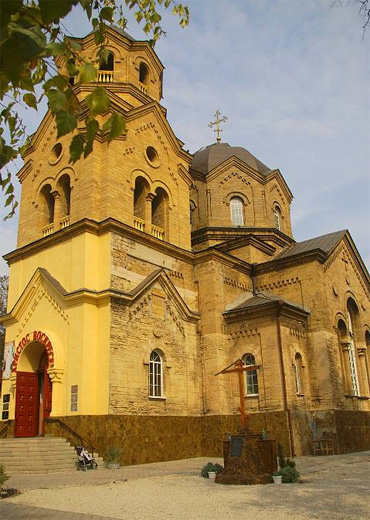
x=232, y=194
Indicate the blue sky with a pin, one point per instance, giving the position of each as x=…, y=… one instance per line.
x=293, y=78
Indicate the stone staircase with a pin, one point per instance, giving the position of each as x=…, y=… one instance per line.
x=38, y=455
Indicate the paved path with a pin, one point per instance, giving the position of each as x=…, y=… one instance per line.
x=355, y=466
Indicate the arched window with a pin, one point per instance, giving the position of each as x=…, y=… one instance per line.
x=143, y=74
x=108, y=63
x=159, y=213
x=106, y=67
x=352, y=314
x=277, y=217
x=155, y=375
x=140, y=200
x=298, y=373
x=65, y=188
x=47, y=205
x=192, y=212
x=236, y=211
x=251, y=376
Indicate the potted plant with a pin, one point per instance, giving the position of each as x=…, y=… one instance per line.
x=112, y=457
x=289, y=474
x=5, y=492
x=210, y=470
x=277, y=477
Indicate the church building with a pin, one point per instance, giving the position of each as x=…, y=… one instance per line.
x=142, y=272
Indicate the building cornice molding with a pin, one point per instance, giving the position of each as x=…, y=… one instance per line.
x=94, y=227
x=229, y=233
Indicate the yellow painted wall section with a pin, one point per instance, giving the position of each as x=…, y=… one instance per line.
x=82, y=262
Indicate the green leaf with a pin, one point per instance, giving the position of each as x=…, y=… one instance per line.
x=56, y=48
x=106, y=14
x=117, y=126
x=98, y=101
x=87, y=73
x=59, y=81
x=76, y=148
x=139, y=16
x=30, y=100
x=66, y=122
x=57, y=100
x=91, y=129
x=8, y=8
x=26, y=81
x=53, y=11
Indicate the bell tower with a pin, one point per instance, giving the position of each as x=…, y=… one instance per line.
x=140, y=179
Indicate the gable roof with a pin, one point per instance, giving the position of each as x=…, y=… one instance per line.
x=262, y=298
x=158, y=275
x=325, y=243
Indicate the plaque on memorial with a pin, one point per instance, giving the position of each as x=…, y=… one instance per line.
x=236, y=446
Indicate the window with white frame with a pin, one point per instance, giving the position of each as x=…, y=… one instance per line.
x=352, y=357
x=236, y=211
x=251, y=376
x=277, y=217
x=155, y=375
x=298, y=373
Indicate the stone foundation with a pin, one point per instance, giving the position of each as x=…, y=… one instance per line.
x=154, y=438
x=146, y=439
x=250, y=461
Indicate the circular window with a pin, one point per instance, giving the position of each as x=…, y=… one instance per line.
x=152, y=156
x=56, y=153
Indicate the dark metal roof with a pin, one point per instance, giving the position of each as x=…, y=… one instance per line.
x=325, y=243
x=122, y=32
x=263, y=298
x=207, y=158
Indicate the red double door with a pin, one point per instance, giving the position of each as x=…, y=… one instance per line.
x=33, y=403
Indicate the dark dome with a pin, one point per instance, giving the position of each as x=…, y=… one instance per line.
x=205, y=159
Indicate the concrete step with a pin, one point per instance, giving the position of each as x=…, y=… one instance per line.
x=39, y=455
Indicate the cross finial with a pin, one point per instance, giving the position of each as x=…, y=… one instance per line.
x=217, y=123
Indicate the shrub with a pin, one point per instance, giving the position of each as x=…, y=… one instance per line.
x=113, y=454
x=3, y=476
x=289, y=474
x=217, y=468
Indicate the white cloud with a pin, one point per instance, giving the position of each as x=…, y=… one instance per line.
x=293, y=79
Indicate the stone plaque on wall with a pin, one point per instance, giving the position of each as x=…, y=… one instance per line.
x=236, y=446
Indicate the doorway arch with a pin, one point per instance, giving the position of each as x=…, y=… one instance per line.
x=33, y=402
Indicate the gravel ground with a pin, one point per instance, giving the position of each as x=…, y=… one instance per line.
x=333, y=488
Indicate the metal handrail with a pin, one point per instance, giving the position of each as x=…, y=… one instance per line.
x=84, y=442
x=7, y=422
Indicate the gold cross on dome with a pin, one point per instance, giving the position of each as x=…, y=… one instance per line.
x=217, y=123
